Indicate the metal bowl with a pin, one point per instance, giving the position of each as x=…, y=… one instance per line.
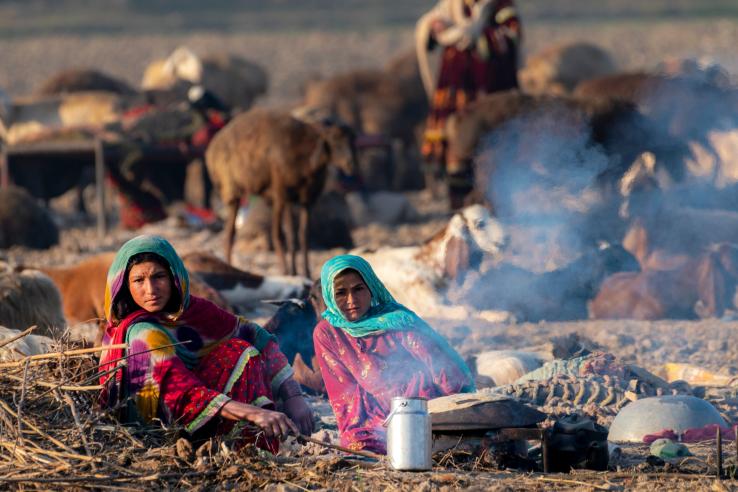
x=652, y=415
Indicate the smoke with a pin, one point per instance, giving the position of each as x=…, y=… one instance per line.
x=540, y=169
x=554, y=178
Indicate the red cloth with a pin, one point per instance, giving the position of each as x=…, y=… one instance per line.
x=465, y=74
x=201, y=138
x=177, y=383
x=251, y=387
x=706, y=433
x=362, y=375
x=134, y=215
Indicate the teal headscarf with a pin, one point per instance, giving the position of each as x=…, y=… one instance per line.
x=385, y=314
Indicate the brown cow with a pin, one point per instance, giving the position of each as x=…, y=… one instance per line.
x=701, y=287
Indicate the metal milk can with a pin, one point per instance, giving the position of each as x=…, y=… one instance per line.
x=409, y=437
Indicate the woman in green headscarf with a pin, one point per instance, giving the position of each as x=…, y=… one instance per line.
x=371, y=349
x=181, y=359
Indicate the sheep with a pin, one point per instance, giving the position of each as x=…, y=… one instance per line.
x=272, y=154
x=418, y=276
x=29, y=297
x=23, y=222
x=22, y=347
x=559, y=68
x=699, y=287
x=235, y=81
x=387, y=103
x=82, y=79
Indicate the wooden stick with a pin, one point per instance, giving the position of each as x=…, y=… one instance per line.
x=366, y=454
x=75, y=456
x=54, y=355
x=77, y=423
x=19, y=405
x=573, y=482
x=47, y=384
x=36, y=429
x=20, y=335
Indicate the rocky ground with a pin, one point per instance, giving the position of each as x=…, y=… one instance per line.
x=293, y=57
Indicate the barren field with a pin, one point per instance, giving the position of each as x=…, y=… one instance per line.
x=294, y=52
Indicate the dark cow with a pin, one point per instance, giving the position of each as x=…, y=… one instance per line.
x=560, y=294
x=23, y=222
x=293, y=324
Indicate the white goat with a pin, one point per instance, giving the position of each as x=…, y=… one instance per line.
x=417, y=275
x=23, y=347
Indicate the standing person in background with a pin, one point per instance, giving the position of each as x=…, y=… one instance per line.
x=480, y=41
x=371, y=349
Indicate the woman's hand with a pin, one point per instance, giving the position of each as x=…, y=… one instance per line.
x=274, y=424
x=299, y=411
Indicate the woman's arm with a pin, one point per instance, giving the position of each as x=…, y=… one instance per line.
x=274, y=424
x=279, y=373
x=446, y=373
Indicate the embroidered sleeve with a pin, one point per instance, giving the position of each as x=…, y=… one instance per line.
x=278, y=370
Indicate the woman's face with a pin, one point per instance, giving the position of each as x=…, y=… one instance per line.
x=352, y=295
x=150, y=286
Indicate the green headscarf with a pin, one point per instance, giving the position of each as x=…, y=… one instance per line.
x=385, y=314
x=145, y=244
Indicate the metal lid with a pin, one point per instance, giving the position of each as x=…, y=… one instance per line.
x=409, y=404
x=652, y=415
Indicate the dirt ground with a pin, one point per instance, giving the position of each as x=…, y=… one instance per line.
x=291, y=58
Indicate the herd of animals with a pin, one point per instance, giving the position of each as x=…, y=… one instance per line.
x=647, y=161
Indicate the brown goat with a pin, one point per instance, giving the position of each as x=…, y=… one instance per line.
x=701, y=287
x=660, y=238
x=285, y=160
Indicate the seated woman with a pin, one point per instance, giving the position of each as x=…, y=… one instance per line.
x=188, y=361
x=371, y=349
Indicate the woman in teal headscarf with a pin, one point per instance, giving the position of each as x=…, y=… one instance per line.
x=371, y=349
